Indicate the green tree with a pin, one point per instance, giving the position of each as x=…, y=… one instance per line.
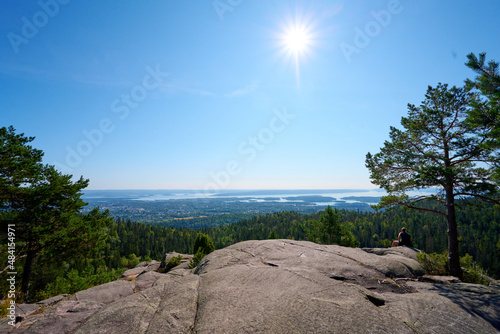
x=44, y=207
x=437, y=149
x=329, y=229
x=133, y=260
x=485, y=113
x=203, y=246
x=273, y=235
x=488, y=83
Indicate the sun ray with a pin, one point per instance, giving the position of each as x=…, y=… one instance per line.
x=296, y=40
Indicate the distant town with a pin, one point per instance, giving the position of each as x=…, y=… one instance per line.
x=227, y=208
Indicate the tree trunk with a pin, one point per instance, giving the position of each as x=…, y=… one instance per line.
x=453, y=255
x=25, y=284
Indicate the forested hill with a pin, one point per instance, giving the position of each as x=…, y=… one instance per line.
x=479, y=232
x=128, y=242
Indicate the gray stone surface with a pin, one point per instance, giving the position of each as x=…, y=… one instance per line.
x=107, y=293
x=24, y=310
x=52, y=300
x=146, y=280
x=141, y=268
x=168, y=307
x=64, y=317
x=280, y=286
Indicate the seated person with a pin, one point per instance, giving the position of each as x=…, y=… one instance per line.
x=404, y=239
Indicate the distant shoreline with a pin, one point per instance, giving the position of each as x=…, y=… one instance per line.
x=172, y=194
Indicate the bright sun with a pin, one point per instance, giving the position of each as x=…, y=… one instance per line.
x=296, y=39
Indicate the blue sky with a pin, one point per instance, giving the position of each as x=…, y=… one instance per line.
x=207, y=94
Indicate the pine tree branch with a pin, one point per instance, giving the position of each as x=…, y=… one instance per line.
x=453, y=122
x=423, y=209
x=481, y=197
x=15, y=259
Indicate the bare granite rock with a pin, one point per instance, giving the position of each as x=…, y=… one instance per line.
x=146, y=280
x=279, y=286
x=141, y=268
x=107, y=293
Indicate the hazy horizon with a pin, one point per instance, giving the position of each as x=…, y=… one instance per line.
x=237, y=189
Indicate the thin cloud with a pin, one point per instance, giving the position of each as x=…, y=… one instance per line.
x=244, y=91
x=173, y=89
x=27, y=72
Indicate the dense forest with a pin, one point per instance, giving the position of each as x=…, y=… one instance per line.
x=129, y=242
x=479, y=227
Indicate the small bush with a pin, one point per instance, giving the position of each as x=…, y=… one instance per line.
x=4, y=305
x=75, y=281
x=437, y=264
x=174, y=261
x=473, y=273
x=203, y=246
x=123, y=262
x=133, y=260
x=434, y=264
x=196, y=259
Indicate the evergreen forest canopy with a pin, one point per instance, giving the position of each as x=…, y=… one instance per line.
x=450, y=141
x=129, y=243
x=479, y=228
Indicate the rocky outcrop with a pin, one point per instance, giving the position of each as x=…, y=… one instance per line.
x=184, y=262
x=141, y=268
x=278, y=286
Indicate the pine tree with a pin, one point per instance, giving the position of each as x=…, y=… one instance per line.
x=330, y=229
x=437, y=149
x=485, y=113
x=203, y=246
x=44, y=206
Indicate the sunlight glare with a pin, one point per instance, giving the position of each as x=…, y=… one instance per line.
x=296, y=40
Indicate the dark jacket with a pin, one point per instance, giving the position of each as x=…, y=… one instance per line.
x=405, y=239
